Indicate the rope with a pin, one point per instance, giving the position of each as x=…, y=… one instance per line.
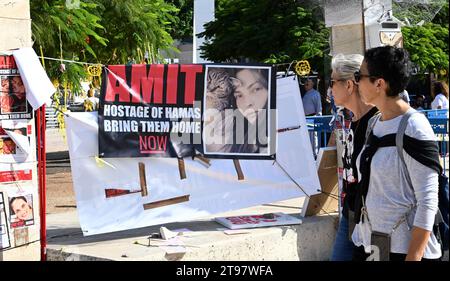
x=72, y=61
x=11, y=18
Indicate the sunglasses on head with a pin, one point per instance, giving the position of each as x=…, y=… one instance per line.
x=358, y=75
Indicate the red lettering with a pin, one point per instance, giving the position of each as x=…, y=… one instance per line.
x=172, y=84
x=162, y=143
x=143, y=143
x=149, y=88
x=117, y=85
x=153, y=144
x=138, y=72
x=7, y=62
x=189, y=87
x=151, y=84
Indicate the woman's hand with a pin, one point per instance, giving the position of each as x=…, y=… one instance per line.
x=418, y=243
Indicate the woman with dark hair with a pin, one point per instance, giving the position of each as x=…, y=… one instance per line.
x=388, y=209
x=251, y=97
x=21, y=208
x=236, y=110
x=440, y=95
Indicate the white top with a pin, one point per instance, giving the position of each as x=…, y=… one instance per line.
x=389, y=197
x=440, y=100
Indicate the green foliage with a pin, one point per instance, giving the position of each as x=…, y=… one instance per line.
x=103, y=31
x=413, y=12
x=183, y=27
x=264, y=31
x=442, y=17
x=134, y=27
x=63, y=33
x=428, y=46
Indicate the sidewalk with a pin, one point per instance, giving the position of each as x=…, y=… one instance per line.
x=311, y=240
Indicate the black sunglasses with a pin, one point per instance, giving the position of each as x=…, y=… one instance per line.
x=358, y=75
x=332, y=81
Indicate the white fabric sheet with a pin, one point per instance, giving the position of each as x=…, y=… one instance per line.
x=212, y=190
x=37, y=84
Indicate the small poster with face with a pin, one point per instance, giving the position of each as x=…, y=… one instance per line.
x=13, y=102
x=239, y=112
x=21, y=210
x=14, y=137
x=4, y=232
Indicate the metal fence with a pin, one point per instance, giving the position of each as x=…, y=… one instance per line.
x=320, y=127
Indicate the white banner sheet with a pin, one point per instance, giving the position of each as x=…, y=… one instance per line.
x=210, y=190
x=38, y=86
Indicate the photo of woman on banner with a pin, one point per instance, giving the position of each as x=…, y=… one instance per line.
x=250, y=98
x=236, y=111
x=21, y=210
x=13, y=97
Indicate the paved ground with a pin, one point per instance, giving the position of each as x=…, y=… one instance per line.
x=60, y=193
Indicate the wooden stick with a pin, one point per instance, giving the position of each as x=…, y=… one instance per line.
x=166, y=202
x=238, y=168
x=143, y=179
x=181, y=168
x=202, y=159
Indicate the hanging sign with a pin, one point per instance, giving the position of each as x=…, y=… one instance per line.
x=221, y=111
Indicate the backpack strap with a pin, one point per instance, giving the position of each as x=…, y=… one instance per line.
x=399, y=141
x=370, y=125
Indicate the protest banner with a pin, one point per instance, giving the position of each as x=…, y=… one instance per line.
x=222, y=111
x=109, y=190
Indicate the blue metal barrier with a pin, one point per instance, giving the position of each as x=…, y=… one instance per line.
x=437, y=118
x=320, y=125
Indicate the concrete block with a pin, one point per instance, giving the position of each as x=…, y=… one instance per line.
x=312, y=240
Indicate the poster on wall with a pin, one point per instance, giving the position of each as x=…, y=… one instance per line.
x=13, y=102
x=158, y=111
x=21, y=209
x=4, y=232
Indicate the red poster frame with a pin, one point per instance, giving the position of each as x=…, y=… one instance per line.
x=40, y=133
